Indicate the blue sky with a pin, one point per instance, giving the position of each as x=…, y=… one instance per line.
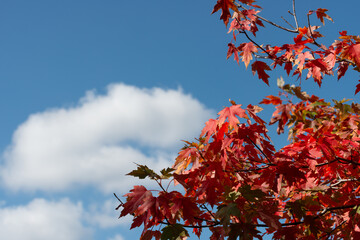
x=87, y=88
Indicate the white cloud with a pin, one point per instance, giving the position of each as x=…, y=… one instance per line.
x=43, y=220
x=103, y=215
x=117, y=237
x=96, y=142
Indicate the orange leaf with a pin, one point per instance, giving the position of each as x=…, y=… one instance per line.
x=247, y=50
x=271, y=100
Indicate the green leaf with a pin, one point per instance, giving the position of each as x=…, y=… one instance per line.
x=355, y=210
x=251, y=195
x=166, y=173
x=174, y=232
x=233, y=196
x=143, y=171
x=315, y=104
x=244, y=231
x=226, y=211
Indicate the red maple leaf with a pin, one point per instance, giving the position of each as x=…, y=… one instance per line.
x=260, y=67
x=210, y=128
x=357, y=88
x=233, y=50
x=271, y=100
x=246, y=52
x=230, y=113
x=225, y=5
x=137, y=196
x=352, y=53
x=320, y=13
x=330, y=59
x=301, y=58
x=343, y=67
x=288, y=67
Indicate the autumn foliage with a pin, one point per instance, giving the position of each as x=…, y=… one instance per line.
x=235, y=182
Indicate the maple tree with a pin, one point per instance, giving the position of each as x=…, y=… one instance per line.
x=236, y=184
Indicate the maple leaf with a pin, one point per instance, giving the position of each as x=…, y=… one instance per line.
x=186, y=206
x=174, y=232
x=149, y=234
x=320, y=13
x=357, y=88
x=143, y=171
x=230, y=113
x=137, y=196
x=235, y=24
x=225, y=5
x=288, y=67
x=271, y=100
x=352, y=53
x=233, y=50
x=330, y=59
x=259, y=67
x=343, y=67
x=316, y=67
x=307, y=188
x=209, y=129
x=166, y=173
x=301, y=58
x=246, y=52
x=252, y=110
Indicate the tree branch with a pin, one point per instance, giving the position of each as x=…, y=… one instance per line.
x=268, y=21
x=295, y=18
x=262, y=152
x=311, y=33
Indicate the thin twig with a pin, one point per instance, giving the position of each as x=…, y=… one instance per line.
x=328, y=235
x=295, y=18
x=121, y=202
x=342, y=181
x=288, y=22
x=262, y=152
x=268, y=21
x=276, y=25
x=247, y=36
x=311, y=33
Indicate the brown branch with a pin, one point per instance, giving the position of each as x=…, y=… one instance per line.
x=253, y=170
x=311, y=33
x=346, y=161
x=210, y=212
x=323, y=212
x=328, y=235
x=288, y=22
x=247, y=36
x=192, y=226
x=121, y=202
x=342, y=181
x=268, y=21
x=295, y=18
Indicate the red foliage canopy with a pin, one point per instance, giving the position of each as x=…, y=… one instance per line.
x=235, y=182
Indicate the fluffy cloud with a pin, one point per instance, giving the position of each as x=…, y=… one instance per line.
x=96, y=142
x=117, y=237
x=102, y=215
x=43, y=220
